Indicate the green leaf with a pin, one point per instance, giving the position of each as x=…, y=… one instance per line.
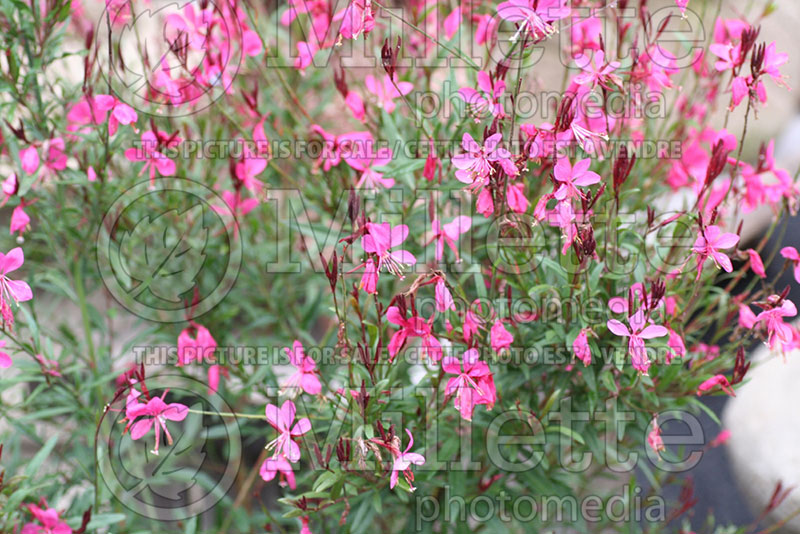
x=37, y=461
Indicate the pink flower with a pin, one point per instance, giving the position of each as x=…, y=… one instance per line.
x=10, y=187
x=486, y=98
x=790, y=253
x=777, y=330
x=306, y=375
x=500, y=337
x=654, y=437
x=237, y=204
x=199, y=348
x=676, y=346
x=5, y=359
x=358, y=150
x=472, y=321
x=403, y=461
x=535, y=16
x=49, y=367
x=386, y=91
x=637, y=333
x=756, y=264
x=305, y=55
x=154, y=412
x=282, y=421
x=357, y=18
x=682, y=6
x=486, y=29
x=570, y=177
x=475, y=164
x=273, y=466
x=304, y=528
x=413, y=327
x=515, y=196
x=449, y=233
x=472, y=385
x=355, y=103
x=380, y=238
x=444, y=300
x=19, y=219
x=49, y=522
x=773, y=60
x=747, y=319
x=711, y=383
x=709, y=243
x=485, y=204
x=432, y=164
x=120, y=113
x=16, y=290
x=581, y=347
x=251, y=43
x=56, y=159
x=149, y=153
x=249, y=168
x=597, y=71
x=452, y=22
x=729, y=55
x=29, y=158
x=721, y=439
x=369, y=280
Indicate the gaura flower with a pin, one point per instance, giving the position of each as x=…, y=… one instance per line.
x=790, y=253
x=442, y=296
x=472, y=385
x=5, y=359
x=154, y=412
x=12, y=290
x=414, y=326
x=714, y=381
x=569, y=177
x=150, y=152
x=747, y=319
x=380, y=239
x=19, y=219
x=282, y=419
x=500, y=337
x=756, y=264
x=195, y=344
x=49, y=521
x=273, y=466
x=580, y=347
x=534, y=16
x=637, y=333
x=449, y=233
x=709, y=243
x=597, y=71
x=357, y=18
x=654, y=437
x=777, y=330
x=386, y=92
x=486, y=98
x=306, y=375
x=29, y=159
x=475, y=163
x=403, y=461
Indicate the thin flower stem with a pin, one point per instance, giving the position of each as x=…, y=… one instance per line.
x=456, y=53
x=229, y=414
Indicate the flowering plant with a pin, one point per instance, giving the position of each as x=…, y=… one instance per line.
x=347, y=278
